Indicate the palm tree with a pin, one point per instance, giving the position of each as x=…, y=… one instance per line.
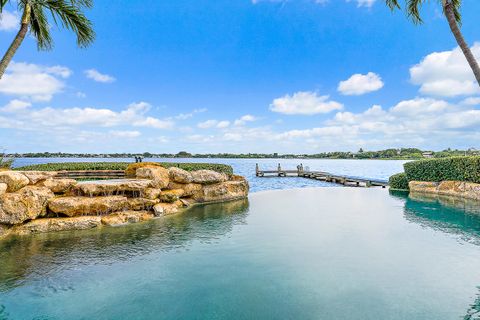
x=451, y=9
x=67, y=13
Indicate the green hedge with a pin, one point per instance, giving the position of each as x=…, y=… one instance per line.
x=398, y=182
x=77, y=166
x=445, y=169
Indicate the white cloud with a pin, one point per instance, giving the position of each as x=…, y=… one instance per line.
x=305, y=103
x=9, y=21
x=33, y=81
x=244, y=119
x=15, y=106
x=359, y=84
x=27, y=118
x=213, y=124
x=125, y=134
x=364, y=3
x=95, y=75
x=472, y=101
x=446, y=74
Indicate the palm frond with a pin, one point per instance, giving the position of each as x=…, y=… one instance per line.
x=40, y=28
x=70, y=16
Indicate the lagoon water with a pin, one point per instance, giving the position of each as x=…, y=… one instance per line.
x=375, y=169
x=313, y=253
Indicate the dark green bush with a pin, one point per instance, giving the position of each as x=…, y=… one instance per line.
x=78, y=166
x=398, y=182
x=444, y=169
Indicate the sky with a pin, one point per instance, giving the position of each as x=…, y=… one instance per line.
x=240, y=76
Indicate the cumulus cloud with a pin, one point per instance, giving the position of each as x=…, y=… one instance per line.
x=304, y=103
x=27, y=118
x=244, y=119
x=32, y=81
x=359, y=84
x=95, y=75
x=213, y=124
x=446, y=74
x=9, y=21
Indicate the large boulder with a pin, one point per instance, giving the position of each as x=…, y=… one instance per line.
x=14, y=180
x=423, y=186
x=26, y=204
x=57, y=224
x=225, y=191
x=86, y=206
x=159, y=176
x=452, y=188
x=111, y=187
x=208, y=177
x=171, y=196
x=132, y=168
x=189, y=189
x=3, y=188
x=124, y=217
x=37, y=176
x=179, y=175
x=162, y=209
x=472, y=191
x=151, y=193
x=58, y=185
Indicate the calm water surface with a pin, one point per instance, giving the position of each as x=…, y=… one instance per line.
x=375, y=169
x=314, y=253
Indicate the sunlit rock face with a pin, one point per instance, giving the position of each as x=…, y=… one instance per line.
x=58, y=185
x=208, y=177
x=80, y=206
x=467, y=190
x=27, y=203
x=37, y=202
x=160, y=177
x=14, y=180
x=111, y=187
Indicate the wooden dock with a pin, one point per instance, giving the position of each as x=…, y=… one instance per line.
x=321, y=176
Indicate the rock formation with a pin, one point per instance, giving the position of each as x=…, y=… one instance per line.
x=36, y=201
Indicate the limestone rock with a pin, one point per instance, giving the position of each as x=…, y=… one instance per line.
x=57, y=224
x=3, y=188
x=451, y=187
x=82, y=206
x=132, y=168
x=179, y=175
x=111, y=187
x=4, y=231
x=58, y=185
x=151, y=193
x=167, y=208
x=141, y=204
x=160, y=176
x=208, y=177
x=37, y=176
x=26, y=204
x=124, y=217
x=472, y=190
x=189, y=189
x=14, y=180
x=423, y=186
x=171, y=195
x=224, y=191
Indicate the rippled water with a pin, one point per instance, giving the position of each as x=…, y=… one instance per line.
x=375, y=169
x=323, y=253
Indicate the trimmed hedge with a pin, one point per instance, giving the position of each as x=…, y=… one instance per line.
x=445, y=169
x=78, y=166
x=398, y=182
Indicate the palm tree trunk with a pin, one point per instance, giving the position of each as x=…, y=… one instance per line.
x=7, y=58
x=447, y=6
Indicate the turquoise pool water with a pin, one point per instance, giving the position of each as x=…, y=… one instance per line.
x=324, y=253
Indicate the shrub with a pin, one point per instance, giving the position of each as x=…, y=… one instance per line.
x=444, y=169
x=398, y=182
x=79, y=166
x=4, y=162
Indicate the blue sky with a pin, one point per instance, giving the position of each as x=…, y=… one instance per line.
x=300, y=76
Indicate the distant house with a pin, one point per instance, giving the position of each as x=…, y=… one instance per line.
x=427, y=154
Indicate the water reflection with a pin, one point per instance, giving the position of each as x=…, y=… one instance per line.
x=443, y=213
x=26, y=258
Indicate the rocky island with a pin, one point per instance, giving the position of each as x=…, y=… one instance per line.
x=43, y=201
